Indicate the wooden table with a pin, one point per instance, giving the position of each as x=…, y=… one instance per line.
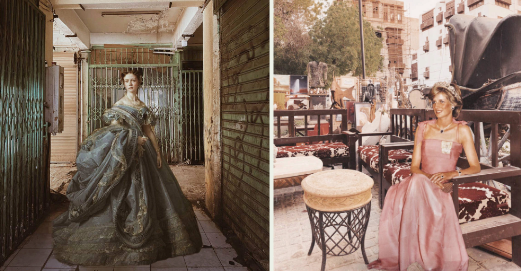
x=290, y=171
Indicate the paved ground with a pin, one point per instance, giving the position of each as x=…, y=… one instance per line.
x=293, y=238
x=36, y=252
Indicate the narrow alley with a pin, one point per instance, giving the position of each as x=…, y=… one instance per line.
x=36, y=251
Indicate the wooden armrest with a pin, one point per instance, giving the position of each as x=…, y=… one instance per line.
x=374, y=134
x=397, y=145
x=386, y=147
x=488, y=174
x=348, y=133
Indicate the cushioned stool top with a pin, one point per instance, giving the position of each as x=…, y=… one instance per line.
x=369, y=154
x=476, y=200
x=320, y=150
x=337, y=190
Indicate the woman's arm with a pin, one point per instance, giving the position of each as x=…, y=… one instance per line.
x=470, y=151
x=149, y=132
x=417, y=155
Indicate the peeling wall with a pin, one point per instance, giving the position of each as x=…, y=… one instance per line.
x=157, y=23
x=212, y=116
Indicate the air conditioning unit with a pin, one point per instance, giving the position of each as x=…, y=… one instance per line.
x=54, y=103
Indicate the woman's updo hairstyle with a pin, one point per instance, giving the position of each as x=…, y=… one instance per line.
x=452, y=92
x=138, y=72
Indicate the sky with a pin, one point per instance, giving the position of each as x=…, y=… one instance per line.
x=415, y=8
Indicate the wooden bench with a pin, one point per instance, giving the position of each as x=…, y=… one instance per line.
x=333, y=150
x=495, y=228
x=398, y=149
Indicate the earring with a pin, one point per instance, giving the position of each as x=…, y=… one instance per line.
x=453, y=108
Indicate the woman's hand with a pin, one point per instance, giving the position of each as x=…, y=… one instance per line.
x=141, y=140
x=442, y=177
x=159, y=160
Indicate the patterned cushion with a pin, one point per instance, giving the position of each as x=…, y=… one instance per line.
x=476, y=200
x=479, y=201
x=321, y=150
x=369, y=154
x=396, y=172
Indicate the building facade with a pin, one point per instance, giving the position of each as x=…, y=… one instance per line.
x=433, y=58
x=399, y=35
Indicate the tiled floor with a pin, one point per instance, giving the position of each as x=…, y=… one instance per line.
x=293, y=237
x=36, y=253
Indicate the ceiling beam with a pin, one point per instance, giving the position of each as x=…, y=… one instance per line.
x=189, y=21
x=73, y=22
x=101, y=4
x=126, y=38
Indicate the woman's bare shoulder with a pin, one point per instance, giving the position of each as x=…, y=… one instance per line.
x=465, y=133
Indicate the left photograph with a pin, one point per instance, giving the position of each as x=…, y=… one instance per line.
x=135, y=135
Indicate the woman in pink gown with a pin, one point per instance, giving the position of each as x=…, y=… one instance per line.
x=418, y=222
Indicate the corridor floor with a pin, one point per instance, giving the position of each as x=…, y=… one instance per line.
x=293, y=238
x=36, y=251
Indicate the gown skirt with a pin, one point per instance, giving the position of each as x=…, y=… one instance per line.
x=123, y=209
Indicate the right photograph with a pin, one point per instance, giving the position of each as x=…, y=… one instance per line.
x=396, y=135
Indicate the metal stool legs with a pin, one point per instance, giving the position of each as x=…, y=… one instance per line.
x=339, y=233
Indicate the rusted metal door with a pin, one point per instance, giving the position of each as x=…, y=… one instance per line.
x=175, y=96
x=24, y=187
x=244, y=48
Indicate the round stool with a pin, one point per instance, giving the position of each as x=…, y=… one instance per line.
x=338, y=204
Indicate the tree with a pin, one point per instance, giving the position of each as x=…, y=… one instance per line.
x=292, y=44
x=336, y=41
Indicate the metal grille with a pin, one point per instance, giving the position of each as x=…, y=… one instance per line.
x=192, y=112
x=24, y=188
x=174, y=96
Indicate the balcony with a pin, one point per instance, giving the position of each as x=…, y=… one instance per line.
x=473, y=2
x=439, y=17
x=449, y=13
x=414, y=71
x=394, y=41
x=507, y=2
x=426, y=46
x=427, y=23
x=461, y=8
x=446, y=39
x=397, y=65
x=438, y=42
x=414, y=75
x=426, y=74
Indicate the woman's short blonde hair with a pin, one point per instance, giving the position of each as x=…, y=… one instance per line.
x=453, y=94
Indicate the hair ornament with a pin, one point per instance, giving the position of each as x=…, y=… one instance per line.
x=448, y=87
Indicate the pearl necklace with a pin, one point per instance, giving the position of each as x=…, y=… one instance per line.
x=442, y=130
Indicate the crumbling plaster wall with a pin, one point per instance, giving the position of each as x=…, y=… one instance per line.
x=212, y=112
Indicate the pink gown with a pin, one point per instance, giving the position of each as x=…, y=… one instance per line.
x=418, y=222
